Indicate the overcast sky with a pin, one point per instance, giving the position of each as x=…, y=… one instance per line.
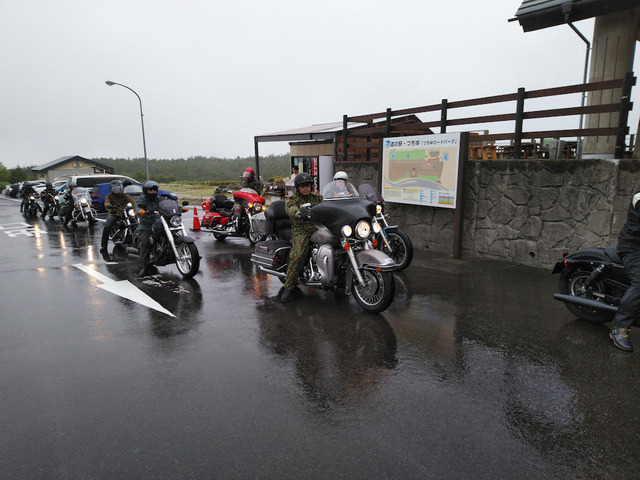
x=214, y=74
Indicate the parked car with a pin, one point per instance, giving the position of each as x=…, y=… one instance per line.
x=38, y=185
x=88, y=181
x=12, y=190
x=100, y=191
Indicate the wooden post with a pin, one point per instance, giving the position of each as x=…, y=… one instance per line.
x=458, y=218
x=443, y=116
x=517, y=142
x=625, y=106
x=388, y=124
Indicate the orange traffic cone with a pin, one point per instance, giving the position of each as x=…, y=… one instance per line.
x=196, y=220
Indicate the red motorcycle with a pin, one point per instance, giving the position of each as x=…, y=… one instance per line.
x=231, y=217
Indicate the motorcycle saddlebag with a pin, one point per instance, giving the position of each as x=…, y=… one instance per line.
x=272, y=254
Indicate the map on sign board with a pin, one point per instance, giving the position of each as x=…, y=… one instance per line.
x=421, y=170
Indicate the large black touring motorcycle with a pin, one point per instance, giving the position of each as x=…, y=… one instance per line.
x=341, y=255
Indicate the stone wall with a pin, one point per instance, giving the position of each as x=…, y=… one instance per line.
x=528, y=212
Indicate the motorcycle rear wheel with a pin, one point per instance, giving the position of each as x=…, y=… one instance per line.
x=377, y=292
x=574, y=282
x=401, y=249
x=188, y=261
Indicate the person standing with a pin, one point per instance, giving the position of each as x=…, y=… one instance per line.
x=301, y=230
x=629, y=252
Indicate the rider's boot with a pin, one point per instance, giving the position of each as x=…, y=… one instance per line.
x=620, y=337
x=287, y=295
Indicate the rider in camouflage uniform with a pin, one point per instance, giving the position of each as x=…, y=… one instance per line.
x=301, y=230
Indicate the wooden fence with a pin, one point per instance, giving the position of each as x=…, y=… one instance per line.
x=379, y=125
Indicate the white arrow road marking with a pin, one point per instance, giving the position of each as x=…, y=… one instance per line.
x=124, y=288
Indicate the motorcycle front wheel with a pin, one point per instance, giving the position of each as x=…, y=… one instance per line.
x=376, y=293
x=117, y=235
x=188, y=261
x=254, y=237
x=575, y=282
x=401, y=249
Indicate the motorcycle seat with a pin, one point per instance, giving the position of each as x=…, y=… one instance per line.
x=612, y=253
x=276, y=211
x=220, y=202
x=281, y=221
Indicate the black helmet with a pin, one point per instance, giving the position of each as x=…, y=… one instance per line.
x=48, y=185
x=301, y=179
x=150, y=185
x=116, y=187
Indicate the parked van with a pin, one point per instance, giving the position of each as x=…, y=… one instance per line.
x=88, y=181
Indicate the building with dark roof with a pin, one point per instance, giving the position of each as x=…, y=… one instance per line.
x=72, y=165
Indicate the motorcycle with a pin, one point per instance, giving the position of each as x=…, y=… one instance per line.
x=592, y=282
x=391, y=240
x=82, y=209
x=122, y=232
x=340, y=250
x=227, y=217
x=169, y=240
x=31, y=207
x=54, y=205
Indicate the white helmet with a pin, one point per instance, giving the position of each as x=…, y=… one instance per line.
x=341, y=176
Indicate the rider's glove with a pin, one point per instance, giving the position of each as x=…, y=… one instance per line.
x=302, y=216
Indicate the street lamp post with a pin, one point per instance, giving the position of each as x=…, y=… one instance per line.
x=144, y=143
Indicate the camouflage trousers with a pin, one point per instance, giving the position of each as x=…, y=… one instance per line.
x=297, y=256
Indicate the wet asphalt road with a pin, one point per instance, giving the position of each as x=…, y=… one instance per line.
x=474, y=372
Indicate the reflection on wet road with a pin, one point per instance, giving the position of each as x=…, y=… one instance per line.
x=474, y=371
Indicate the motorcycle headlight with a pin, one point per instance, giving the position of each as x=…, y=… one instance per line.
x=378, y=209
x=376, y=228
x=32, y=197
x=257, y=207
x=363, y=229
x=83, y=201
x=175, y=221
x=346, y=231
x=131, y=213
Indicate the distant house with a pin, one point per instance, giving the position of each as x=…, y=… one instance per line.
x=66, y=166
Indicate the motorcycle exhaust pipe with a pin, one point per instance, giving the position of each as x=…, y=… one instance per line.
x=585, y=302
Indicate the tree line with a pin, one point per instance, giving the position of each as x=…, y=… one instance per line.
x=191, y=170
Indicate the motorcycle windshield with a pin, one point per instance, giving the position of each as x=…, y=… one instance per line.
x=338, y=189
x=248, y=194
x=79, y=193
x=370, y=193
x=169, y=207
x=338, y=212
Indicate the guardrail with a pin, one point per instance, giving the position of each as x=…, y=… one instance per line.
x=381, y=125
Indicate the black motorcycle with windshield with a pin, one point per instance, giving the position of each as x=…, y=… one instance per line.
x=341, y=255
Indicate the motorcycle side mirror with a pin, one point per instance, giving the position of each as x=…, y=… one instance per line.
x=185, y=203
